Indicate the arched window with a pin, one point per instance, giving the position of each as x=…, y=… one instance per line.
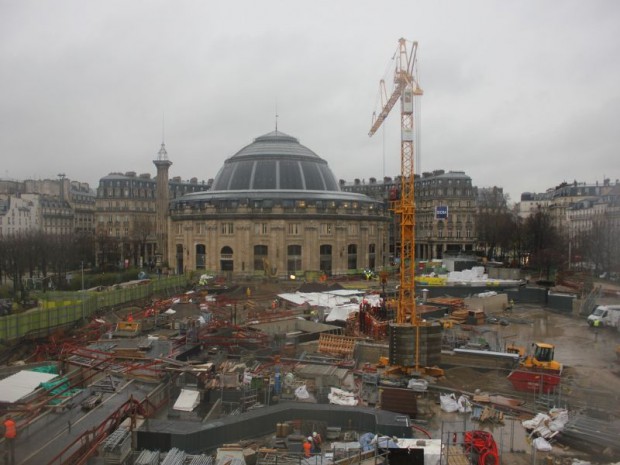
x=293, y=259
x=226, y=259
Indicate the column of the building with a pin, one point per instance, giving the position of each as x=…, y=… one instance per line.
x=162, y=199
x=212, y=247
x=341, y=249
x=362, y=246
x=310, y=250
x=244, y=247
x=277, y=247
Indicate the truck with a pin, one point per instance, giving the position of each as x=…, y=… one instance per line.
x=606, y=315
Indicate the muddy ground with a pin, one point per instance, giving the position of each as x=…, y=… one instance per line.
x=591, y=379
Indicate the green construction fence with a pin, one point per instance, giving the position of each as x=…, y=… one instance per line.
x=58, y=309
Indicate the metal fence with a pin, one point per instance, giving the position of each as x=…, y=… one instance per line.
x=58, y=309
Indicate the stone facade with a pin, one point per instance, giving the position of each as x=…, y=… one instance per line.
x=126, y=214
x=275, y=209
x=445, y=211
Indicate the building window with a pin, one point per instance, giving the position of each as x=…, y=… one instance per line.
x=325, y=258
x=261, y=261
x=326, y=228
x=293, y=229
x=352, y=257
x=371, y=256
x=352, y=229
x=293, y=259
x=260, y=229
x=201, y=256
x=227, y=228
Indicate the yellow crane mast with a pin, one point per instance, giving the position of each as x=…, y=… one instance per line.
x=406, y=88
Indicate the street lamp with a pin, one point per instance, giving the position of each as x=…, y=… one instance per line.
x=82, y=275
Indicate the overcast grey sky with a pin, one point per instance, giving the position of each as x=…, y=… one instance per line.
x=519, y=94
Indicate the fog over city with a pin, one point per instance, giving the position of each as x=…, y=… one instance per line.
x=523, y=95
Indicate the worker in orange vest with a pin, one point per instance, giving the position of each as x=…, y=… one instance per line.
x=10, y=433
x=307, y=447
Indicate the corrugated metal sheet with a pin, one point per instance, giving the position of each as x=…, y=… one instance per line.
x=21, y=384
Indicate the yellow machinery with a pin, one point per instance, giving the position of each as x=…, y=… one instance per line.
x=542, y=358
x=406, y=88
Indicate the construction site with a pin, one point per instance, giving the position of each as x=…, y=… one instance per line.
x=249, y=372
x=264, y=371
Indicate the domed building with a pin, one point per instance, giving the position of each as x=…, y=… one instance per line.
x=275, y=208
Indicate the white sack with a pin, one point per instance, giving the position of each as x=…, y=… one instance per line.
x=448, y=403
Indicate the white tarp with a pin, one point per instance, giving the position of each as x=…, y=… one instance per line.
x=314, y=299
x=341, y=312
x=322, y=299
x=187, y=401
x=340, y=397
x=338, y=304
x=21, y=384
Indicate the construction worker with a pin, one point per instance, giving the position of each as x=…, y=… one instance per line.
x=307, y=447
x=596, y=324
x=317, y=440
x=10, y=433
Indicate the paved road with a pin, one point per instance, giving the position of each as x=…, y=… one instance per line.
x=40, y=443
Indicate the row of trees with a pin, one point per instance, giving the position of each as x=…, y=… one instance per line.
x=38, y=260
x=34, y=259
x=535, y=242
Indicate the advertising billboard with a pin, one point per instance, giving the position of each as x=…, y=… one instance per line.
x=441, y=212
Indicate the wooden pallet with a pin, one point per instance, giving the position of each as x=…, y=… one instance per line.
x=456, y=456
x=336, y=345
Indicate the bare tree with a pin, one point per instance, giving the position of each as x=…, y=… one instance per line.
x=142, y=229
x=107, y=248
x=543, y=243
x=600, y=245
x=15, y=263
x=494, y=222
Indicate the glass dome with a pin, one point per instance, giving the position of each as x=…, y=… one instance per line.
x=275, y=161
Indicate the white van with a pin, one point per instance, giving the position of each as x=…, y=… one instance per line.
x=608, y=315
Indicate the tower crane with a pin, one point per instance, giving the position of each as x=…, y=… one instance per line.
x=406, y=87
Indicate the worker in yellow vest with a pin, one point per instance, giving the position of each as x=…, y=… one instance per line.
x=596, y=325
